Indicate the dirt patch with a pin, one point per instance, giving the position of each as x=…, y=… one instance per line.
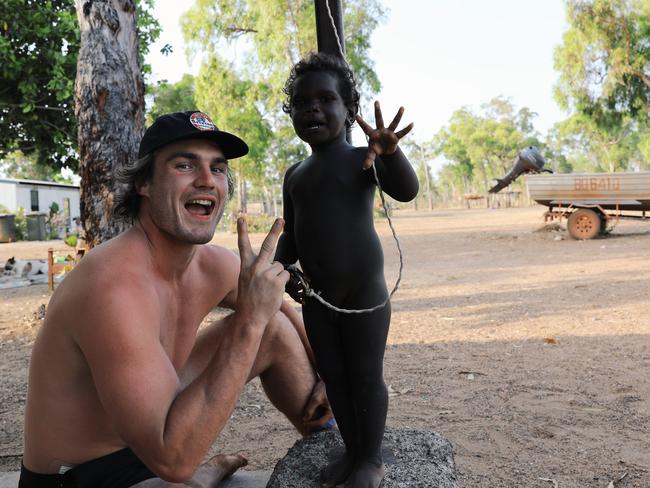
x=531, y=354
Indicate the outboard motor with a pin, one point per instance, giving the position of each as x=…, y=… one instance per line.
x=528, y=160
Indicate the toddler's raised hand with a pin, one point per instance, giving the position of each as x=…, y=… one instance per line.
x=382, y=140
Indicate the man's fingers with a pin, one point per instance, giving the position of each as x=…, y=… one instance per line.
x=379, y=119
x=404, y=131
x=243, y=242
x=268, y=246
x=364, y=125
x=309, y=412
x=326, y=421
x=393, y=125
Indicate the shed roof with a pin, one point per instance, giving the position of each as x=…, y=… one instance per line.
x=38, y=183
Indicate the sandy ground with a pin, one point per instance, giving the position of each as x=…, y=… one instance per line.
x=529, y=352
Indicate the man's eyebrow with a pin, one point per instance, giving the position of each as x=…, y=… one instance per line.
x=193, y=157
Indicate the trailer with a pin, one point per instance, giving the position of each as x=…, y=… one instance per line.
x=592, y=203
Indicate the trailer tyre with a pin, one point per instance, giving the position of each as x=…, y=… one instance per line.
x=584, y=224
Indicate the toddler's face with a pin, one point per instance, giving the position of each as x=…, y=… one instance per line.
x=318, y=112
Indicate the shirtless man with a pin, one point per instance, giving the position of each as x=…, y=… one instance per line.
x=121, y=387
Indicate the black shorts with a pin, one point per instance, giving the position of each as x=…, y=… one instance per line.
x=120, y=469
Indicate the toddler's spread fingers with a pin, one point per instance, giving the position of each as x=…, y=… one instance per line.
x=393, y=125
x=364, y=125
x=404, y=131
x=379, y=118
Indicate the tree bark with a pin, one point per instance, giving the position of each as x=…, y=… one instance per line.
x=109, y=106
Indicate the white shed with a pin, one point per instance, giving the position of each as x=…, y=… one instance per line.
x=37, y=196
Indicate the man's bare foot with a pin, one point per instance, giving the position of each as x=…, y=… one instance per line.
x=337, y=470
x=217, y=468
x=208, y=475
x=366, y=474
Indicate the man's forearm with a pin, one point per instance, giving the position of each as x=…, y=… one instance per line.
x=199, y=412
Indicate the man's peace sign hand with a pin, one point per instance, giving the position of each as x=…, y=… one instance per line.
x=261, y=280
x=382, y=140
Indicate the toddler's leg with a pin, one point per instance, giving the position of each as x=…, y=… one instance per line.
x=325, y=339
x=364, y=336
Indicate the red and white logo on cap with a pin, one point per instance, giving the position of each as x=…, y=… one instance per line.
x=201, y=121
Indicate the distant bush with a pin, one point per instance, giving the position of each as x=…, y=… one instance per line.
x=21, y=224
x=257, y=223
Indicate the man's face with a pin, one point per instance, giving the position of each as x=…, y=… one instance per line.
x=318, y=112
x=187, y=191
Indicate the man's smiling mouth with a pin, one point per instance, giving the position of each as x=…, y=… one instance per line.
x=199, y=206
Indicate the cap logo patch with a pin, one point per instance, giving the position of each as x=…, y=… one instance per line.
x=201, y=121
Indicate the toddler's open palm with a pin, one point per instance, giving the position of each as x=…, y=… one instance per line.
x=382, y=140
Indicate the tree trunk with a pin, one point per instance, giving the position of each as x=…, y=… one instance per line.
x=109, y=106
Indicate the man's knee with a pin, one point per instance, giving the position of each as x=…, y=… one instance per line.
x=280, y=333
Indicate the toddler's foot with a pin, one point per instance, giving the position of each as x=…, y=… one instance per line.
x=336, y=471
x=367, y=474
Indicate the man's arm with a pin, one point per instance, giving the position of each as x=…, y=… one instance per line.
x=168, y=427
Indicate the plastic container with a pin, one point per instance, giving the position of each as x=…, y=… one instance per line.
x=7, y=228
x=36, y=227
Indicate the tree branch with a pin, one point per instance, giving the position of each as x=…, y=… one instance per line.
x=39, y=107
x=239, y=31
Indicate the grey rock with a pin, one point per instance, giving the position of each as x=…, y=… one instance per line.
x=413, y=459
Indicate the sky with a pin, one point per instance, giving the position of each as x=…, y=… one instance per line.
x=435, y=56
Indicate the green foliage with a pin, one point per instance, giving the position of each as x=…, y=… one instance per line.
x=54, y=221
x=71, y=240
x=579, y=144
x=21, y=224
x=481, y=147
x=168, y=98
x=4, y=210
x=17, y=165
x=39, y=42
x=604, y=60
x=604, y=65
x=257, y=223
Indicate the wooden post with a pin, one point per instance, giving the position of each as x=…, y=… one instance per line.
x=326, y=36
x=50, y=269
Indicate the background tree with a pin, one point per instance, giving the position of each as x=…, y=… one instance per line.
x=604, y=65
x=479, y=147
x=109, y=106
x=39, y=41
x=17, y=165
x=171, y=97
x=420, y=155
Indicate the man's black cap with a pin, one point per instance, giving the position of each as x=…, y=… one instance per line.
x=189, y=125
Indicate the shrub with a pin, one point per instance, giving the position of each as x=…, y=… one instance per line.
x=21, y=224
x=257, y=223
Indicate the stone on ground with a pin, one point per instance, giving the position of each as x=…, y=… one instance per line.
x=413, y=459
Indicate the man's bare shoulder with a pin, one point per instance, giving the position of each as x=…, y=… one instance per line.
x=116, y=272
x=218, y=259
x=122, y=262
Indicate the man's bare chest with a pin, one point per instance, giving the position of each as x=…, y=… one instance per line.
x=180, y=319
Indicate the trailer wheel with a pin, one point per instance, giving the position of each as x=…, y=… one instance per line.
x=584, y=224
